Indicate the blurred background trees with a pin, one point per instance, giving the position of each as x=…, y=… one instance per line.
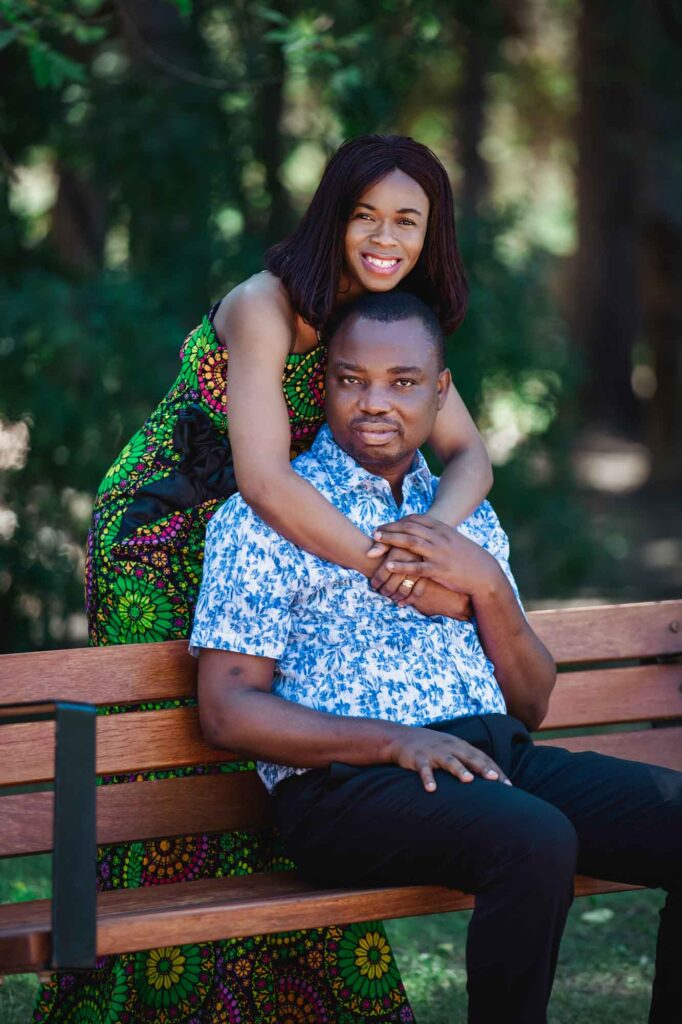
x=151, y=150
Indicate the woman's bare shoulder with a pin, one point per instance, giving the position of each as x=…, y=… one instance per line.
x=259, y=303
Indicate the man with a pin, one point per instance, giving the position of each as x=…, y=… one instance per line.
x=394, y=735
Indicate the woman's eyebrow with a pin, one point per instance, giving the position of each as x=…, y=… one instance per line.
x=405, y=209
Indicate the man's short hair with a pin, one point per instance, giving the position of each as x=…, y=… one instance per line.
x=391, y=307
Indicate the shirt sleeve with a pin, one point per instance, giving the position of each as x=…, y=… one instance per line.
x=249, y=583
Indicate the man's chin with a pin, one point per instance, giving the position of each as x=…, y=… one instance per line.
x=376, y=457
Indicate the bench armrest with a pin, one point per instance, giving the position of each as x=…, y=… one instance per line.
x=74, y=859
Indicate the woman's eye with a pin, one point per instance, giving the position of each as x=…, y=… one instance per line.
x=349, y=380
x=367, y=216
x=408, y=223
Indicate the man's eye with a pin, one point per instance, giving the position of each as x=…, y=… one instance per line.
x=405, y=382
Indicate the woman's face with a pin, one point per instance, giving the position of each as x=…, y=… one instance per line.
x=385, y=233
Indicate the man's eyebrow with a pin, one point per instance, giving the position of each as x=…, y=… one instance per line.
x=341, y=364
x=404, y=209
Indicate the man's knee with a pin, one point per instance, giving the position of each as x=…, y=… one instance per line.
x=539, y=850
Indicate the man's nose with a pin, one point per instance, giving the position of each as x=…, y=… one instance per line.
x=374, y=400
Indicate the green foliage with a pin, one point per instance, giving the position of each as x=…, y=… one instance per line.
x=43, y=28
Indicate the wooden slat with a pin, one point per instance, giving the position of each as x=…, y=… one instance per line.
x=632, y=694
x=214, y=803
x=611, y=632
x=651, y=746
x=124, y=673
x=138, y=672
x=169, y=807
x=132, y=920
x=135, y=741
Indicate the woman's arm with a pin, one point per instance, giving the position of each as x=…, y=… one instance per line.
x=467, y=475
x=257, y=324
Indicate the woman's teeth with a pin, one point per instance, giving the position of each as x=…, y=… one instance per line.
x=382, y=264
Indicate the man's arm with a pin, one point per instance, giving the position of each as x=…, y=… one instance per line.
x=239, y=712
x=524, y=668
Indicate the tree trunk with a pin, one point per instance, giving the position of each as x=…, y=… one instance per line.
x=606, y=302
x=77, y=228
x=470, y=110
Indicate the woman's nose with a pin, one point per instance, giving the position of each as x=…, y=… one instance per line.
x=383, y=234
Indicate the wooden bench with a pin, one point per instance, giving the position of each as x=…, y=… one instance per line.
x=619, y=665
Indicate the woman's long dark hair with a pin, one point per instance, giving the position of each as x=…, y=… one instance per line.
x=310, y=261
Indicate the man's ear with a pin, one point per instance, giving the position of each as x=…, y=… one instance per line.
x=444, y=382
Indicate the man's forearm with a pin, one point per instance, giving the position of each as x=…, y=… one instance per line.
x=253, y=723
x=524, y=668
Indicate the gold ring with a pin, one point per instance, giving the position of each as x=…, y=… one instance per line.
x=408, y=583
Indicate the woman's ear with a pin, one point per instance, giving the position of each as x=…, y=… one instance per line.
x=444, y=382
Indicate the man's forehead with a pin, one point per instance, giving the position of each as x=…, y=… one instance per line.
x=404, y=344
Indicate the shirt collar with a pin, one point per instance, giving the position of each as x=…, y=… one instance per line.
x=347, y=474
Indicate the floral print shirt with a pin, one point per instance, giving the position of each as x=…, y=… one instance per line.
x=340, y=647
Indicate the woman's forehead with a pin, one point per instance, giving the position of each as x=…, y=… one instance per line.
x=397, y=191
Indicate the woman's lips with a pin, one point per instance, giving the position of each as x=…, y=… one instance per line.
x=384, y=266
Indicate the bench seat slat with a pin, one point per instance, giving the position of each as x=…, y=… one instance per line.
x=143, y=810
x=651, y=746
x=132, y=920
x=611, y=695
x=131, y=742
x=617, y=632
x=138, y=672
x=120, y=674
x=212, y=803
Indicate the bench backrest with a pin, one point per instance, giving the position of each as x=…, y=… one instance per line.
x=620, y=665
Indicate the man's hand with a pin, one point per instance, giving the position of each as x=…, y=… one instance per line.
x=423, y=750
x=436, y=599
x=436, y=551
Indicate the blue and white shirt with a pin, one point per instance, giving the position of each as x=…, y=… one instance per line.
x=339, y=646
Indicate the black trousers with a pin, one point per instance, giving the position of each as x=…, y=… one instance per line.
x=515, y=847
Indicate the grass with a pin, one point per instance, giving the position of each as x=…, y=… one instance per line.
x=604, y=974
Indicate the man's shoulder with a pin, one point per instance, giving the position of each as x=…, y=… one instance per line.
x=235, y=523
x=312, y=468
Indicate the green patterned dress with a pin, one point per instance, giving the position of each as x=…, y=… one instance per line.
x=144, y=562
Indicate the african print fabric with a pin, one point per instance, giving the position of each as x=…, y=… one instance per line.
x=143, y=570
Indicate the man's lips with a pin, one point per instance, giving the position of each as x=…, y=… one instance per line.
x=384, y=266
x=375, y=433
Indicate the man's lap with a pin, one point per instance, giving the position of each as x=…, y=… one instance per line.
x=377, y=824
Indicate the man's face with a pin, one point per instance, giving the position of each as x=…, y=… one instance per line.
x=384, y=390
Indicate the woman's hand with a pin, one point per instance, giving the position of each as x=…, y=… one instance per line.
x=390, y=584
x=433, y=550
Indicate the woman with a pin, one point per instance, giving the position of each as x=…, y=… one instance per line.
x=382, y=216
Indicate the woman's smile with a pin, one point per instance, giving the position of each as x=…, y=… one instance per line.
x=384, y=265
